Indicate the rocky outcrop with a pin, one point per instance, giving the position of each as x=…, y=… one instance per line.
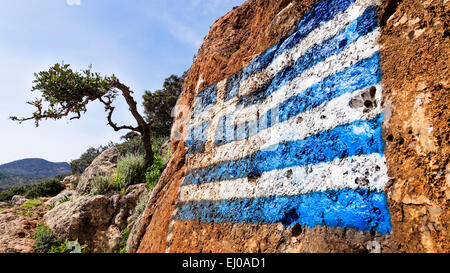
x=387, y=193
x=70, y=181
x=18, y=200
x=94, y=220
x=104, y=164
x=17, y=225
x=63, y=196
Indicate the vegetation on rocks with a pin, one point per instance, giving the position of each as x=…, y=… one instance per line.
x=46, y=242
x=47, y=188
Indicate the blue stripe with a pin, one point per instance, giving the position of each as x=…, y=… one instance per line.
x=356, y=138
x=317, y=16
x=205, y=99
x=360, y=209
x=362, y=26
x=362, y=74
x=197, y=139
x=321, y=13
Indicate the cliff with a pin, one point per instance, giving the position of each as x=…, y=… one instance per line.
x=310, y=126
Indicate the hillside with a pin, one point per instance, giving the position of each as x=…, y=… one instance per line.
x=35, y=167
x=29, y=172
x=11, y=180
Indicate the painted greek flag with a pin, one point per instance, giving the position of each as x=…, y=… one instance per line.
x=295, y=136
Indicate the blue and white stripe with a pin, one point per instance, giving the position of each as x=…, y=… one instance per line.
x=279, y=141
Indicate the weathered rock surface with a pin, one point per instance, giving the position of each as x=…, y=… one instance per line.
x=94, y=220
x=69, y=181
x=17, y=225
x=414, y=49
x=18, y=200
x=104, y=164
x=55, y=201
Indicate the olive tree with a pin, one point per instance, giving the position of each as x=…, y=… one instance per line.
x=66, y=93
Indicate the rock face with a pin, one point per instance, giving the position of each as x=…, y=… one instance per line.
x=70, y=181
x=94, y=220
x=105, y=163
x=310, y=126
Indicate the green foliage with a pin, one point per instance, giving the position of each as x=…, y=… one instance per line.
x=65, y=92
x=75, y=184
x=154, y=173
x=123, y=242
x=141, y=204
x=48, y=188
x=8, y=194
x=79, y=165
x=46, y=242
x=131, y=146
x=31, y=204
x=68, y=247
x=130, y=170
x=101, y=184
x=65, y=199
x=44, y=239
x=159, y=104
x=8, y=181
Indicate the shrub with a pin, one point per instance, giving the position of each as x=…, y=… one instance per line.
x=154, y=173
x=130, y=170
x=131, y=146
x=48, y=188
x=65, y=199
x=44, y=239
x=123, y=242
x=31, y=204
x=75, y=184
x=68, y=247
x=8, y=194
x=46, y=242
x=101, y=184
x=141, y=204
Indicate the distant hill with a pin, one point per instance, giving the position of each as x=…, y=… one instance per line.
x=29, y=171
x=35, y=167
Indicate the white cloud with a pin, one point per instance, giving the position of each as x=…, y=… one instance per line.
x=73, y=2
x=182, y=32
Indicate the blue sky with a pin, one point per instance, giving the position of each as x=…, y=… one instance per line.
x=140, y=41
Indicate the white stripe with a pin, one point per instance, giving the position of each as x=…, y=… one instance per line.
x=324, y=117
x=317, y=36
x=363, y=48
x=358, y=172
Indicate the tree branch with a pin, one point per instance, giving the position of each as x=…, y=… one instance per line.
x=110, y=109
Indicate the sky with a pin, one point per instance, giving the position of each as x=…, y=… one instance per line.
x=141, y=41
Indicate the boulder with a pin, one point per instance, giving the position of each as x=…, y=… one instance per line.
x=69, y=181
x=55, y=201
x=94, y=220
x=104, y=164
x=18, y=200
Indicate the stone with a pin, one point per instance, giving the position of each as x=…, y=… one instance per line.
x=18, y=200
x=104, y=164
x=69, y=181
x=94, y=220
x=55, y=201
x=412, y=92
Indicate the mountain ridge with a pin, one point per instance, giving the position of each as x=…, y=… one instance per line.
x=35, y=167
x=29, y=171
